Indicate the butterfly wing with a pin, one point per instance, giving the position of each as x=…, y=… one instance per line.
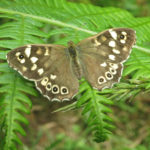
x=32, y=61
x=48, y=66
x=102, y=56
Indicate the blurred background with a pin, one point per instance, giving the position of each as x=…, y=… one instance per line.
x=138, y=8
x=67, y=130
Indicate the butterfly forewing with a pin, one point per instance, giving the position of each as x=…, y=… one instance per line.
x=103, y=55
x=32, y=61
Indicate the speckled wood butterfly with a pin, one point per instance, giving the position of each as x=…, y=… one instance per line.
x=56, y=69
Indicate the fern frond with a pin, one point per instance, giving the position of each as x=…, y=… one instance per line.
x=142, y=26
x=125, y=90
x=79, y=17
x=138, y=65
x=13, y=88
x=95, y=110
x=77, y=21
x=13, y=103
x=20, y=32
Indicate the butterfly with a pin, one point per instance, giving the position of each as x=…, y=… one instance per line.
x=56, y=69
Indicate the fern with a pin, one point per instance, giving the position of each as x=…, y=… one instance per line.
x=13, y=87
x=76, y=22
x=138, y=65
x=95, y=108
x=11, y=102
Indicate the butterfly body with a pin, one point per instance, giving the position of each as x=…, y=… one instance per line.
x=56, y=69
x=76, y=66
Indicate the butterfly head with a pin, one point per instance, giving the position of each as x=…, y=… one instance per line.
x=72, y=49
x=71, y=44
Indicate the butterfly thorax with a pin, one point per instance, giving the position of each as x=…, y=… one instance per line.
x=72, y=49
x=75, y=63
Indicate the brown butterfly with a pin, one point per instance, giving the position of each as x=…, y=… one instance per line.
x=56, y=69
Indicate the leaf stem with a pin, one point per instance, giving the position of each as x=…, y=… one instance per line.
x=47, y=20
x=143, y=49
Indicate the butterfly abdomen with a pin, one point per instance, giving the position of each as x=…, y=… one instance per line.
x=77, y=70
x=75, y=64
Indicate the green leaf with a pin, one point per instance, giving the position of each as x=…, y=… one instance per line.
x=3, y=54
x=95, y=106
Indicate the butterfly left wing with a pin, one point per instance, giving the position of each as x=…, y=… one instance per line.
x=48, y=66
x=103, y=55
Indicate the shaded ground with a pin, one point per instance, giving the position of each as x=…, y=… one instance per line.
x=67, y=130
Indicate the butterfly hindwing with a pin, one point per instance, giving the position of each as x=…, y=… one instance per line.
x=60, y=84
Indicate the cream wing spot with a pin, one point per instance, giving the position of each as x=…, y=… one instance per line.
x=125, y=49
x=28, y=51
x=101, y=80
x=18, y=53
x=103, y=38
x=103, y=64
x=96, y=42
x=39, y=51
x=55, y=89
x=46, y=52
x=114, y=66
x=34, y=59
x=41, y=71
x=112, y=43
x=22, y=61
x=34, y=67
x=113, y=34
x=53, y=77
x=112, y=57
x=44, y=81
x=116, y=51
x=123, y=41
x=124, y=33
x=24, y=68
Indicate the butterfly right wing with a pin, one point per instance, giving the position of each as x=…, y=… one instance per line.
x=102, y=56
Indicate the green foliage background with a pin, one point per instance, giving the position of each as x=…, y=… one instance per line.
x=58, y=21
